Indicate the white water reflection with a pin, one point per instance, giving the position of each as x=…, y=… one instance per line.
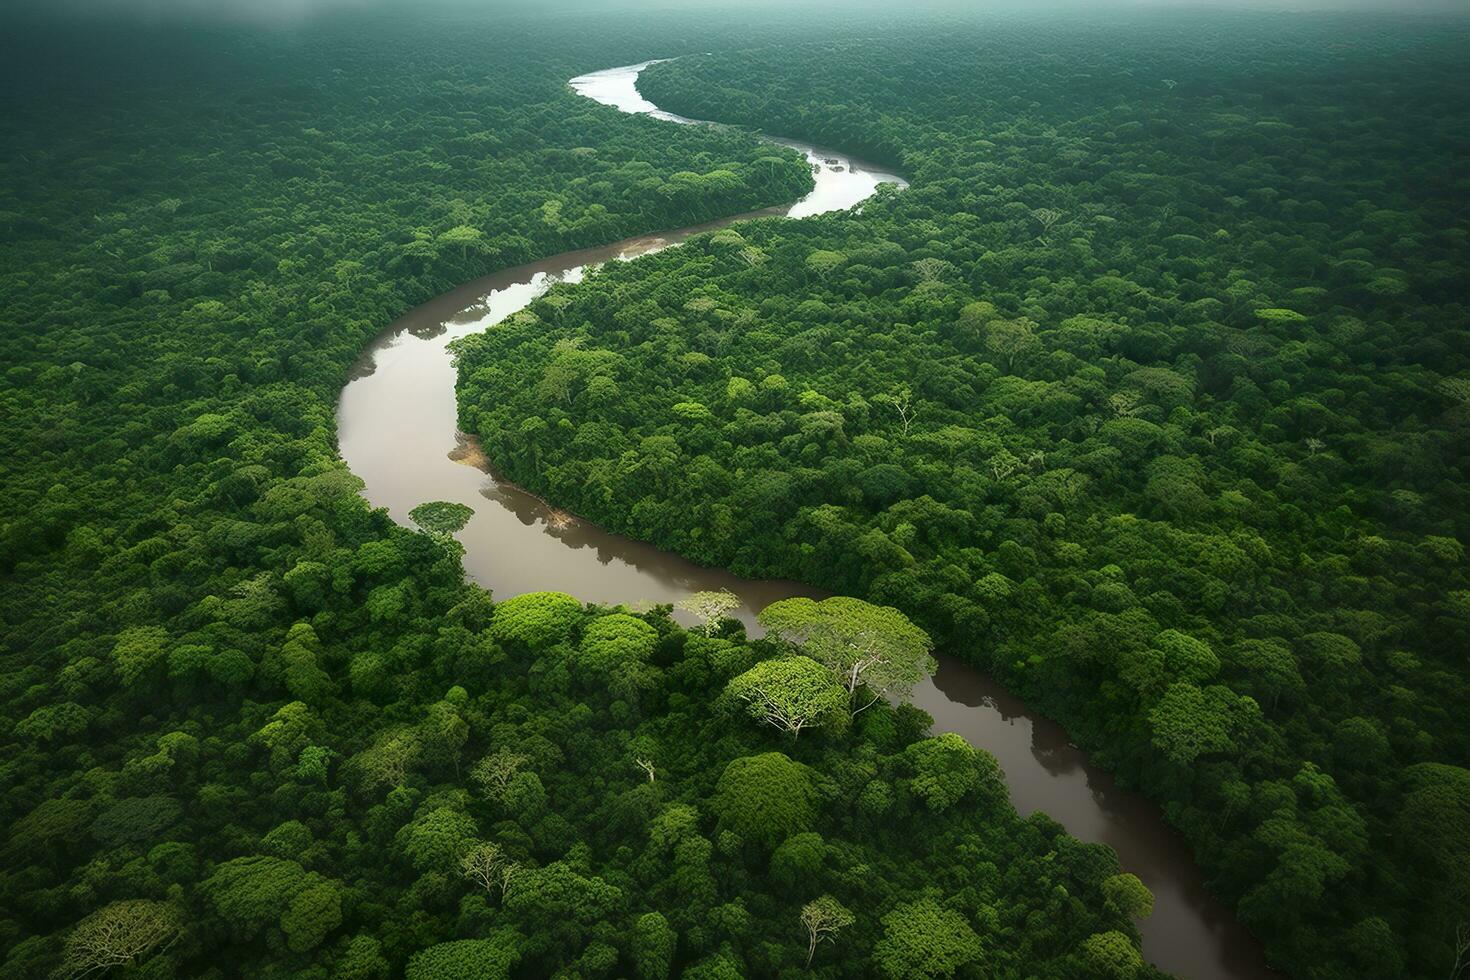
x=841, y=180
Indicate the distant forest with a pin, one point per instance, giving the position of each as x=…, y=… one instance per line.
x=1150, y=396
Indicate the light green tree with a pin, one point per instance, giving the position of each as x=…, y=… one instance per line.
x=863, y=645
x=464, y=236
x=138, y=648
x=712, y=606
x=823, y=918
x=924, y=939
x=536, y=619
x=822, y=263
x=791, y=694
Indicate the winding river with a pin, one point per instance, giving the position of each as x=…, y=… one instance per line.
x=397, y=431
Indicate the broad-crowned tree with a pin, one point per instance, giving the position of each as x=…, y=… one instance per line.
x=765, y=798
x=791, y=694
x=862, y=644
x=1129, y=895
x=1111, y=955
x=536, y=620
x=654, y=944
x=119, y=934
x=467, y=959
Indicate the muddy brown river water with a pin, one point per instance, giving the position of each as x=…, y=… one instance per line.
x=397, y=431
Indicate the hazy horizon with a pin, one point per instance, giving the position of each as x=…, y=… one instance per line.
x=296, y=11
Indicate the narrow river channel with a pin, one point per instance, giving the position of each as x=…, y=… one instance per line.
x=397, y=431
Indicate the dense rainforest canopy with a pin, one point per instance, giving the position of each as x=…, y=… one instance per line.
x=253, y=728
x=1148, y=396
x=1151, y=396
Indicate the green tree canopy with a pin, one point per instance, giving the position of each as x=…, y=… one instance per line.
x=536, y=619
x=791, y=694
x=862, y=644
x=924, y=939
x=765, y=798
x=467, y=959
x=442, y=517
x=616, y=641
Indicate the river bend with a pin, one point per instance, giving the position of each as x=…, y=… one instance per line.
x=397, y=431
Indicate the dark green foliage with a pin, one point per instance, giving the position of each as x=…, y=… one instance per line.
x=1151, y=396
x=654, y=943
x=765, y=798
x=254, y=718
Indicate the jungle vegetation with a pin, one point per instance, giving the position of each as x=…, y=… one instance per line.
x=253, y=728
x=1151, y=396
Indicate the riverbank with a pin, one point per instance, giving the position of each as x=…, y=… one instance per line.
x=398, y=431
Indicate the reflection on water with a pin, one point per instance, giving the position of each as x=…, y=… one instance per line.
x=841, y=181
x=397, y=431
x=397, y=416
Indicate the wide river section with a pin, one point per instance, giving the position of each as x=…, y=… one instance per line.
x=397, y=431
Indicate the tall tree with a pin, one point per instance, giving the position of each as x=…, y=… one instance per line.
x=823, y=917
x=791, y=694
x=862, y=644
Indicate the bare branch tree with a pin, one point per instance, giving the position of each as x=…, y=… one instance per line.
x=388, y=761
x=495, y=771
x=1462, y=951
x=1220, y=432
x=118, y=934
x=823, y=917
x=646, y=765
x=901, y=400
x=481, y=864
x=932, y=270
x=1047, y=217
x=486, y=865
